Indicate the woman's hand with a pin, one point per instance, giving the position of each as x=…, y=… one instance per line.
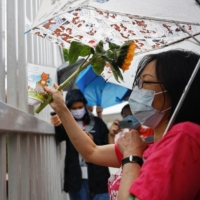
x=58, y=102
x=114, y=129
x=55, y=120
x=130, y=143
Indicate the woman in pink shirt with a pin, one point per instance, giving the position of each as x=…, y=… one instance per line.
x=169, y=169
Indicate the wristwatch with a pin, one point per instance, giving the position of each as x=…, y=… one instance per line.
x=132, y=159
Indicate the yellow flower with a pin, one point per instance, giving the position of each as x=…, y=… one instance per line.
x=126, y=54
x=129, y=56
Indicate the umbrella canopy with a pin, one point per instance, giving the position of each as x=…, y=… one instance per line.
x=154, y=26
x=179, y=10
x=151, y=26
x=99, y=92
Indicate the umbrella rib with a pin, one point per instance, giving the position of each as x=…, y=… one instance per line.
x=143, y=17
x=170, y=43
x=184, y=30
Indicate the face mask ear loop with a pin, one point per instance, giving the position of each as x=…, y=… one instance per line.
x=160, y=92
x=166, y=109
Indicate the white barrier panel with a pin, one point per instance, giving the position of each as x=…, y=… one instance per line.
x=2, y=165
x=29, y=155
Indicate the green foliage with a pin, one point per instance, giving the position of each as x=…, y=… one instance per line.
x=66, y=54
x=113, y=46
x=116, y=72
x=98, y=66
x=78, y=49
x=99, y=49
x=110, y=55
x=114, y=55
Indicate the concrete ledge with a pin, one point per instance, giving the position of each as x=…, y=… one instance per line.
x=14, y=120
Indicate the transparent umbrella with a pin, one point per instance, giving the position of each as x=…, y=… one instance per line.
x=151, y=25
x=154, y=26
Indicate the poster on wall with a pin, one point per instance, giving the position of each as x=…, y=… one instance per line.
x=39, y=77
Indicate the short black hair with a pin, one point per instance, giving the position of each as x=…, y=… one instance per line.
x=174, y=69
x=73, y=96
x=126, y=106
x=76, y=95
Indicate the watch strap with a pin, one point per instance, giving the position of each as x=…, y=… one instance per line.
x=132, y=159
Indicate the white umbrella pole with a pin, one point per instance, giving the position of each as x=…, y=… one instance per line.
x=182, y=97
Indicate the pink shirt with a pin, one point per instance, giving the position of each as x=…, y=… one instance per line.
x=171, y=169
x=114, y=180
x=172, y=166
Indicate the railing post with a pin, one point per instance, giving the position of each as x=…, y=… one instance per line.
x=3, y=165
x=33, y=166
x=14, y=173
x=2, y=51
x=22, y=57
x=26, y=153
x=3, y=191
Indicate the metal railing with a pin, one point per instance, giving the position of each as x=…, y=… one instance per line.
x=31, y=163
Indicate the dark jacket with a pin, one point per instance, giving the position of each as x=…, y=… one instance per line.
x=97, y=175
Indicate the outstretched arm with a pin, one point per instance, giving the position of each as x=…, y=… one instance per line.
x=100, y=155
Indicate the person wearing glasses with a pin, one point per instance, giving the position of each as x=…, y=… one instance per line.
x=169, y=168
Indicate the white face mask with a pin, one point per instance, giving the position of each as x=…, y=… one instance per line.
x=78, y=114
x=140, y=103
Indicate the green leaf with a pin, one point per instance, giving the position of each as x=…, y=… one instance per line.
x=98, y=67
x=120, y=74
x=116, y=72
x=127, y=43
x=66, y=54
x=113, y=46
x=99, y=48
x=78, y=49
x=109, y=55
x=86, y=50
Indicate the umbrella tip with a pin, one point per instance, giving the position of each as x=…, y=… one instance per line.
x=27, y=31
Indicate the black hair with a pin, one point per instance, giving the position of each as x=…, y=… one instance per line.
x=76, y=95
x=174, y=69
x=126, y=106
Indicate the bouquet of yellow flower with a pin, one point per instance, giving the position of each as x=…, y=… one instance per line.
x=119, y=57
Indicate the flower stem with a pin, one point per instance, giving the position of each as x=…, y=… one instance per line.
x=62, y=85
